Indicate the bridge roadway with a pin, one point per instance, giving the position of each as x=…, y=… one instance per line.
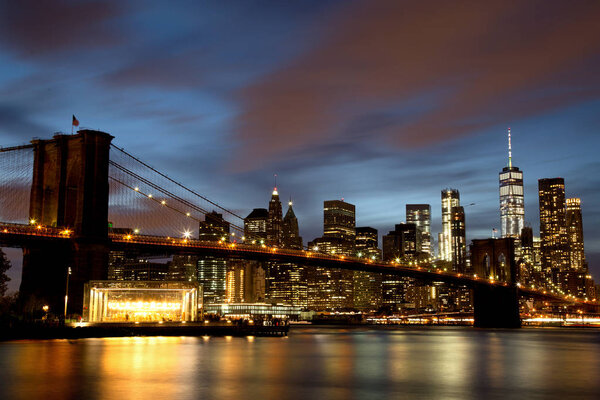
x=20, y=235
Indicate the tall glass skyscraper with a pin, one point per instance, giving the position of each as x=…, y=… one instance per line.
x=450, y=199
x=512, y=206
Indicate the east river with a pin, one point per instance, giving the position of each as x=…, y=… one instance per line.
x=311, y=364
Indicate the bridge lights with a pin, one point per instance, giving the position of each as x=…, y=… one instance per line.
x=187, y=214
x=39, y=227
x=32, y=221
x=149, y=196
x=163, y=202
x=137, y=189
x=187, y=234
x=136, y=231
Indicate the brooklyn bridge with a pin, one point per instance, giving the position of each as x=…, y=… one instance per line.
x=57, y=197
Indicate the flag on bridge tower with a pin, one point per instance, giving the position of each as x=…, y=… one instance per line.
x=75, y=123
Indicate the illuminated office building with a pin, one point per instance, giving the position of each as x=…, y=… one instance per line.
x=450, y=199
x=339, y=220
x=213, y=228
x=211, y=272
x=553, y=229
x=330, y=288
x=459, y=240
x=575, y=234
x=512, y=205
x=420, y=215
x=255, y=225
x=367, y=285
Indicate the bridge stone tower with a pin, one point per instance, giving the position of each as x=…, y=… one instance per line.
x=495, y=307
x=69, y=190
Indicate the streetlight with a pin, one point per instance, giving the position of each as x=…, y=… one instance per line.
x=67, y=292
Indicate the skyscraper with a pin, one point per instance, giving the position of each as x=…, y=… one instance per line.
x=459, y=240
x=286, y=282
x=553, y=230
x=275, y=220
x=400, y=243
x=367, y=285
x=512, y=206
x=329, y=287
x=290, y=233
x=420, y=215
x=211, y=272
x=450, y=198
x=575, y=233
x=339, y=220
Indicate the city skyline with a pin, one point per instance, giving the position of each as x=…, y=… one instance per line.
x=192, y=106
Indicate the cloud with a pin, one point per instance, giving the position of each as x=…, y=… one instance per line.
x=478, y=64
x=35, y=28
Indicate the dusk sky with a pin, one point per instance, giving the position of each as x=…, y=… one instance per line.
x=380, y=103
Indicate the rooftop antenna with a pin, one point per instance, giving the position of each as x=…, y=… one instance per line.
x=509, y=150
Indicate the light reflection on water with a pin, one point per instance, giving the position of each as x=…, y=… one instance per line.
x=443, y=363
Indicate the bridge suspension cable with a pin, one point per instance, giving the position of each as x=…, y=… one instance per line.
x=178, y=183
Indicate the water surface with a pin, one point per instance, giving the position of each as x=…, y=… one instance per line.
x=312, y=363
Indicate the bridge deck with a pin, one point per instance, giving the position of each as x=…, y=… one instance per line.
x=18, y=235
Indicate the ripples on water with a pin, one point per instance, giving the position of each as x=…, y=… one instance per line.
x=428, y=363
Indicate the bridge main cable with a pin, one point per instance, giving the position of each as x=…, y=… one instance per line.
x=177, y=183
x=163, y=191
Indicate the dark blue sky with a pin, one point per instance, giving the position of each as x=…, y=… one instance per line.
x=382, y=103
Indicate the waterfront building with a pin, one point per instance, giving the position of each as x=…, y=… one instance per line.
x=141, y=301
x=450, y=199
x=420, y=215
x=553, y=229
x=211, y=273
x=245, y=282
x=512, y=205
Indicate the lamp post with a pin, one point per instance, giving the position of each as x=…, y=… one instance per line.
x=67, y=292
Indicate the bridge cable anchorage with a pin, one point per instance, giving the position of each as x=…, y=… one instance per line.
x=177, y=183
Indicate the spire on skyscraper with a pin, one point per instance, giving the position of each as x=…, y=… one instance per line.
x=509, y=150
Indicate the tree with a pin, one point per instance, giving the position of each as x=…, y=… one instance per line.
x=4, y=279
